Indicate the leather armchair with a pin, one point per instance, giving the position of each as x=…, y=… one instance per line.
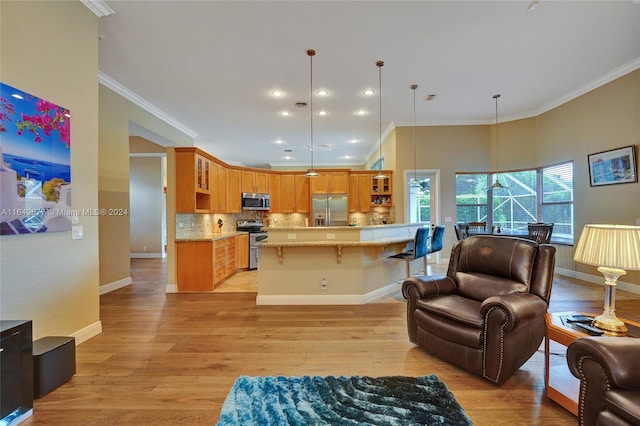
x=486, y=315
x=609, y=379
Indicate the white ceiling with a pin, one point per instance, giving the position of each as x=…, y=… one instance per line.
x=210, y=66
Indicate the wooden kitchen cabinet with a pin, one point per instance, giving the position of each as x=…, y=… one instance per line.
x=301, y=193
x=287, y=193
x=330, y=182
x=224, y=259
x=193, y=181
x=382, y=190
x=360, y=192
x=219, y=203
x=194, y=265
x=234, y=191
x=242, y=251
x=254, y=181
x=274, y=192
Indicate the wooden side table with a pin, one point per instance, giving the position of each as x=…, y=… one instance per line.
x=561, y=386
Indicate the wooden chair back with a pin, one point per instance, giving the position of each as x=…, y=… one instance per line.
x=540, y=232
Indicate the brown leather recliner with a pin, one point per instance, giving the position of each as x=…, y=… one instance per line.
x=609, y=379
x=487, y=314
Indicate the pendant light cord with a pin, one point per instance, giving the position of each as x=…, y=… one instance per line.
x=379, y=64
x=497, y=141
x=415, y=149
x=311, y=54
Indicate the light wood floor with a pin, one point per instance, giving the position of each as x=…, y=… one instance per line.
x=167, y=359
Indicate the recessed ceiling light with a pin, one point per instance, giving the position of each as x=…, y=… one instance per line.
x=369, y=92
x=347, y=157
x=361, y=112
x=285, y=113
x=15, y=95
x=278, y=141
x=277, y=93
x=322, y=92
x=354, y=141
x=322, y=112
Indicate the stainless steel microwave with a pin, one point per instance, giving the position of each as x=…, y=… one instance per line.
x=253, y=201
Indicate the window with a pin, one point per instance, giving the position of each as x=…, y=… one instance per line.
x=537, y=195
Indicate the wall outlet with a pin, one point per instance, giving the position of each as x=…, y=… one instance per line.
x=144, y=248
x=291, y=236
x=331, y=236
x=324, y=285
x=77, y=232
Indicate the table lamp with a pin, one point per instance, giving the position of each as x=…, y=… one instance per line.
x=614, y=249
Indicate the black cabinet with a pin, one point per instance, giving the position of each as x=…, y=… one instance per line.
x=16, y=364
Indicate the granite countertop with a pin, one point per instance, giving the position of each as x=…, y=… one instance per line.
x=211, y=236
x=334, y=243
x=341, y=228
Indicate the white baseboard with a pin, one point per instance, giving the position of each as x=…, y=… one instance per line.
x=146, y=255
x=88, y=332
x=107, y=288
x=172, y=288
x=621, y=285
x=332, y=299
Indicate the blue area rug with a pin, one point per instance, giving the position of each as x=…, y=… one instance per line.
x=393, y=400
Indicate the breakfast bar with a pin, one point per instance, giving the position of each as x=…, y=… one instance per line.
x=332, y=264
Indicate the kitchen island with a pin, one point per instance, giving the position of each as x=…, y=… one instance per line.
x=331, y=265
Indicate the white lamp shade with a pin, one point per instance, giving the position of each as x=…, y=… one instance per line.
x=613, y=246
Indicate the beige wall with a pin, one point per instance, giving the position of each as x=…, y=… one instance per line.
x=606, y=118
x=50, y=49
x=113, y=188
x=450, y=149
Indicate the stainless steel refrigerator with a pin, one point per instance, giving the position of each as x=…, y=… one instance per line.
x=329, y=210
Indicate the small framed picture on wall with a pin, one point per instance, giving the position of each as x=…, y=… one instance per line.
x=613, y=167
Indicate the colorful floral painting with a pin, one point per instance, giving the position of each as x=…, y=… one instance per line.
x=35, y=164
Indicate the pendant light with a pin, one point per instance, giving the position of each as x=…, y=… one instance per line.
x=497, y=184
x=311, y=54
x=414, y=181
x=380, y=175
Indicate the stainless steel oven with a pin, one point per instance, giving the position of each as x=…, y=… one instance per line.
x=256, y=234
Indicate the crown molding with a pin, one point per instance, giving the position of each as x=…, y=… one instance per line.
x=123, y=91
x=592, y=85
x=98, y=7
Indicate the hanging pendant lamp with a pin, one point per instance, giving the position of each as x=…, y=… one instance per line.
x=497, y=184
x=414, y=181
x=380, y=175
x=311, y=54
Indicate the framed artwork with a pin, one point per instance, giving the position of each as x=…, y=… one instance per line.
x=35, y=164
x=613, y=167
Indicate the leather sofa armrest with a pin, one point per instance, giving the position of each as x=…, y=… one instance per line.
x=617, y=356
x=428, y=286
x=520, y=308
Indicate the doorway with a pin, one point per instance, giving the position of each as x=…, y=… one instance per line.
x=422, y=200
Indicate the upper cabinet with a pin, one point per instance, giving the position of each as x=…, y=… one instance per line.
x=205, y=184
x=360, y=192
x=301, y=193
x=193, y=181
x=381, y=189
x=234, y=191
x=330, y=182
x=255, y=181
x=220, y=198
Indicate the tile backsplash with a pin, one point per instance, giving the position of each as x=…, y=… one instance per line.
x=195, y=225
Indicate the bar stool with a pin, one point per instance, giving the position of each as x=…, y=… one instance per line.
x=419, y=249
